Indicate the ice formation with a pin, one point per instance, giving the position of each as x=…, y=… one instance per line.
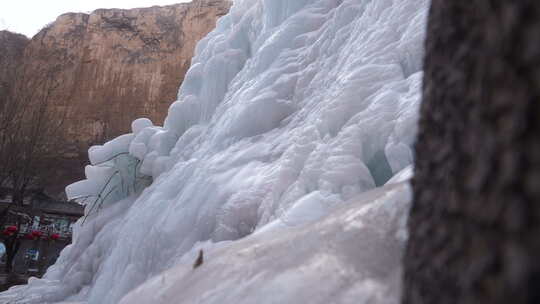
x=285, y=159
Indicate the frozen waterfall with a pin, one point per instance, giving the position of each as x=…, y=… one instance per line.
x=285, y=159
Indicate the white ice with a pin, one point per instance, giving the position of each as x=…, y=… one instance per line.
x=277, y=160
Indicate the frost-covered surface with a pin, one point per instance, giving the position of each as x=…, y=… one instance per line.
x=291, y=111
x=351, y=256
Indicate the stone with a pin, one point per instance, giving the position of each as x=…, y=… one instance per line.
x=11, y=56
x=110, y=67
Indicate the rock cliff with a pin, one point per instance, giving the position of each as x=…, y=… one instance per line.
x=11, y=54
x=111, y=66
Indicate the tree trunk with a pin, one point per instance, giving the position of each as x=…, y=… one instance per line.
x=12, y=245
x=475, y=221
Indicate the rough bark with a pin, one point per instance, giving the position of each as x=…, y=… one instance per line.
x=475, y=221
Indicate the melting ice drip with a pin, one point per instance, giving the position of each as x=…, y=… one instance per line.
x=284, y=158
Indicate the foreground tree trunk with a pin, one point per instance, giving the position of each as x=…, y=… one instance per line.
x=475, y=220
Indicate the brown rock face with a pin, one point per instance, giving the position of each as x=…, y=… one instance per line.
x=11, y=54
x=112, y=66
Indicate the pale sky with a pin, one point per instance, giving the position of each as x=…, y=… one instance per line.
x=29, y=16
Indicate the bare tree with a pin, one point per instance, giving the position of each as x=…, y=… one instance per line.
x=30, y=134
